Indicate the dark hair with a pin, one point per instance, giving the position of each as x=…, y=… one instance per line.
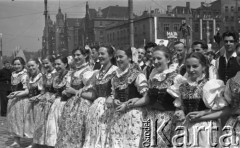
x=150, y=45
x=85, y=52
x=178, y=42
x=203, y=45
x=202, y=59
x=49, y=58
x=165, y=50
x=63, y=59
x=128, y=52
x=35, y=60
x=95, y=47
x=228, y=34
x=110, y=52
x=20, y=59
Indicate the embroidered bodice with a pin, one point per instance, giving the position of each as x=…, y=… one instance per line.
x=191, y=96
x=103, y=81
x=19, y=80
x=35, y=85
x=48, y=81
x=129, y=84
x=159, y=97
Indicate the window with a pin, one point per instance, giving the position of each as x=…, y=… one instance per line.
x=100, y=23
x=226, y=18
x=176, y=27
x=166, y=27
x=232, y=18
x=238, y=8
x=226, y=8
x=232, y=8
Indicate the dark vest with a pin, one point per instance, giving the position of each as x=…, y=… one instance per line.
x=227, y=70
x=33, y=91
x=127, y=93
x=104, y=90
x=17, y=87
x=191, y=105
x=161, y=100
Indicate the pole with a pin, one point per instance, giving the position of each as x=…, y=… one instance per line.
x=130, y=9
x=1, y=51
x=46, y=27
x=201, y=37
x=208, y=34
x=236, y=16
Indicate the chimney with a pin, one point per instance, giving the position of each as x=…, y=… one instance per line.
x=169, y=9
x=202, y=4
x=188, y=5
x=156, y=11
x=152, y=11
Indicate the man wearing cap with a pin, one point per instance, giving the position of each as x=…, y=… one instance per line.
x=5, y=86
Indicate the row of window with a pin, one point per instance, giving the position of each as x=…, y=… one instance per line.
x=230, y=9
x=119, y=35
x=229, y=19
x=166, y=27
x=204, y=27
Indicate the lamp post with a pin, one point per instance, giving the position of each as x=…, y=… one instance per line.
x=131, y=27
x=46, y=27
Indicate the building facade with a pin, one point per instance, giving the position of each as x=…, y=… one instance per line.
x=96, y=21
x=150, y=27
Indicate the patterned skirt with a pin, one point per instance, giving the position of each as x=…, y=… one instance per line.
x=125, y=129
x=52, y=126
x=72, y=123
x=16, y=116
x=41, y=112
x=162, y=125
x=96, y=129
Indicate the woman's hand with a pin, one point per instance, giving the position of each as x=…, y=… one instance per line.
x=79, y=93
x=131, y=102
x=12, y=95
x=180, y=115
x=195, y=115
x=121, y=107
x=109, y=101
x=117, y=102
x=70, y=90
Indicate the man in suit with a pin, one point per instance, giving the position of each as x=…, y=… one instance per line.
x=5, y=86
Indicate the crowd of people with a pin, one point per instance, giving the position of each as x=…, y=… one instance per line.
x=102, y=98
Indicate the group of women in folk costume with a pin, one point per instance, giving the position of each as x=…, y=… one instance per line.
x=106, y=108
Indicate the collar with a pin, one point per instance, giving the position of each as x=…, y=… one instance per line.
x=36, y=78
x=82, y=66
x=19, y=73
x=199, y=79
x=120, y=73
x=160, y=76
x=234, y=54
x=141, y=63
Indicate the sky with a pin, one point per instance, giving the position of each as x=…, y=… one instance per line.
x=22, y=21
